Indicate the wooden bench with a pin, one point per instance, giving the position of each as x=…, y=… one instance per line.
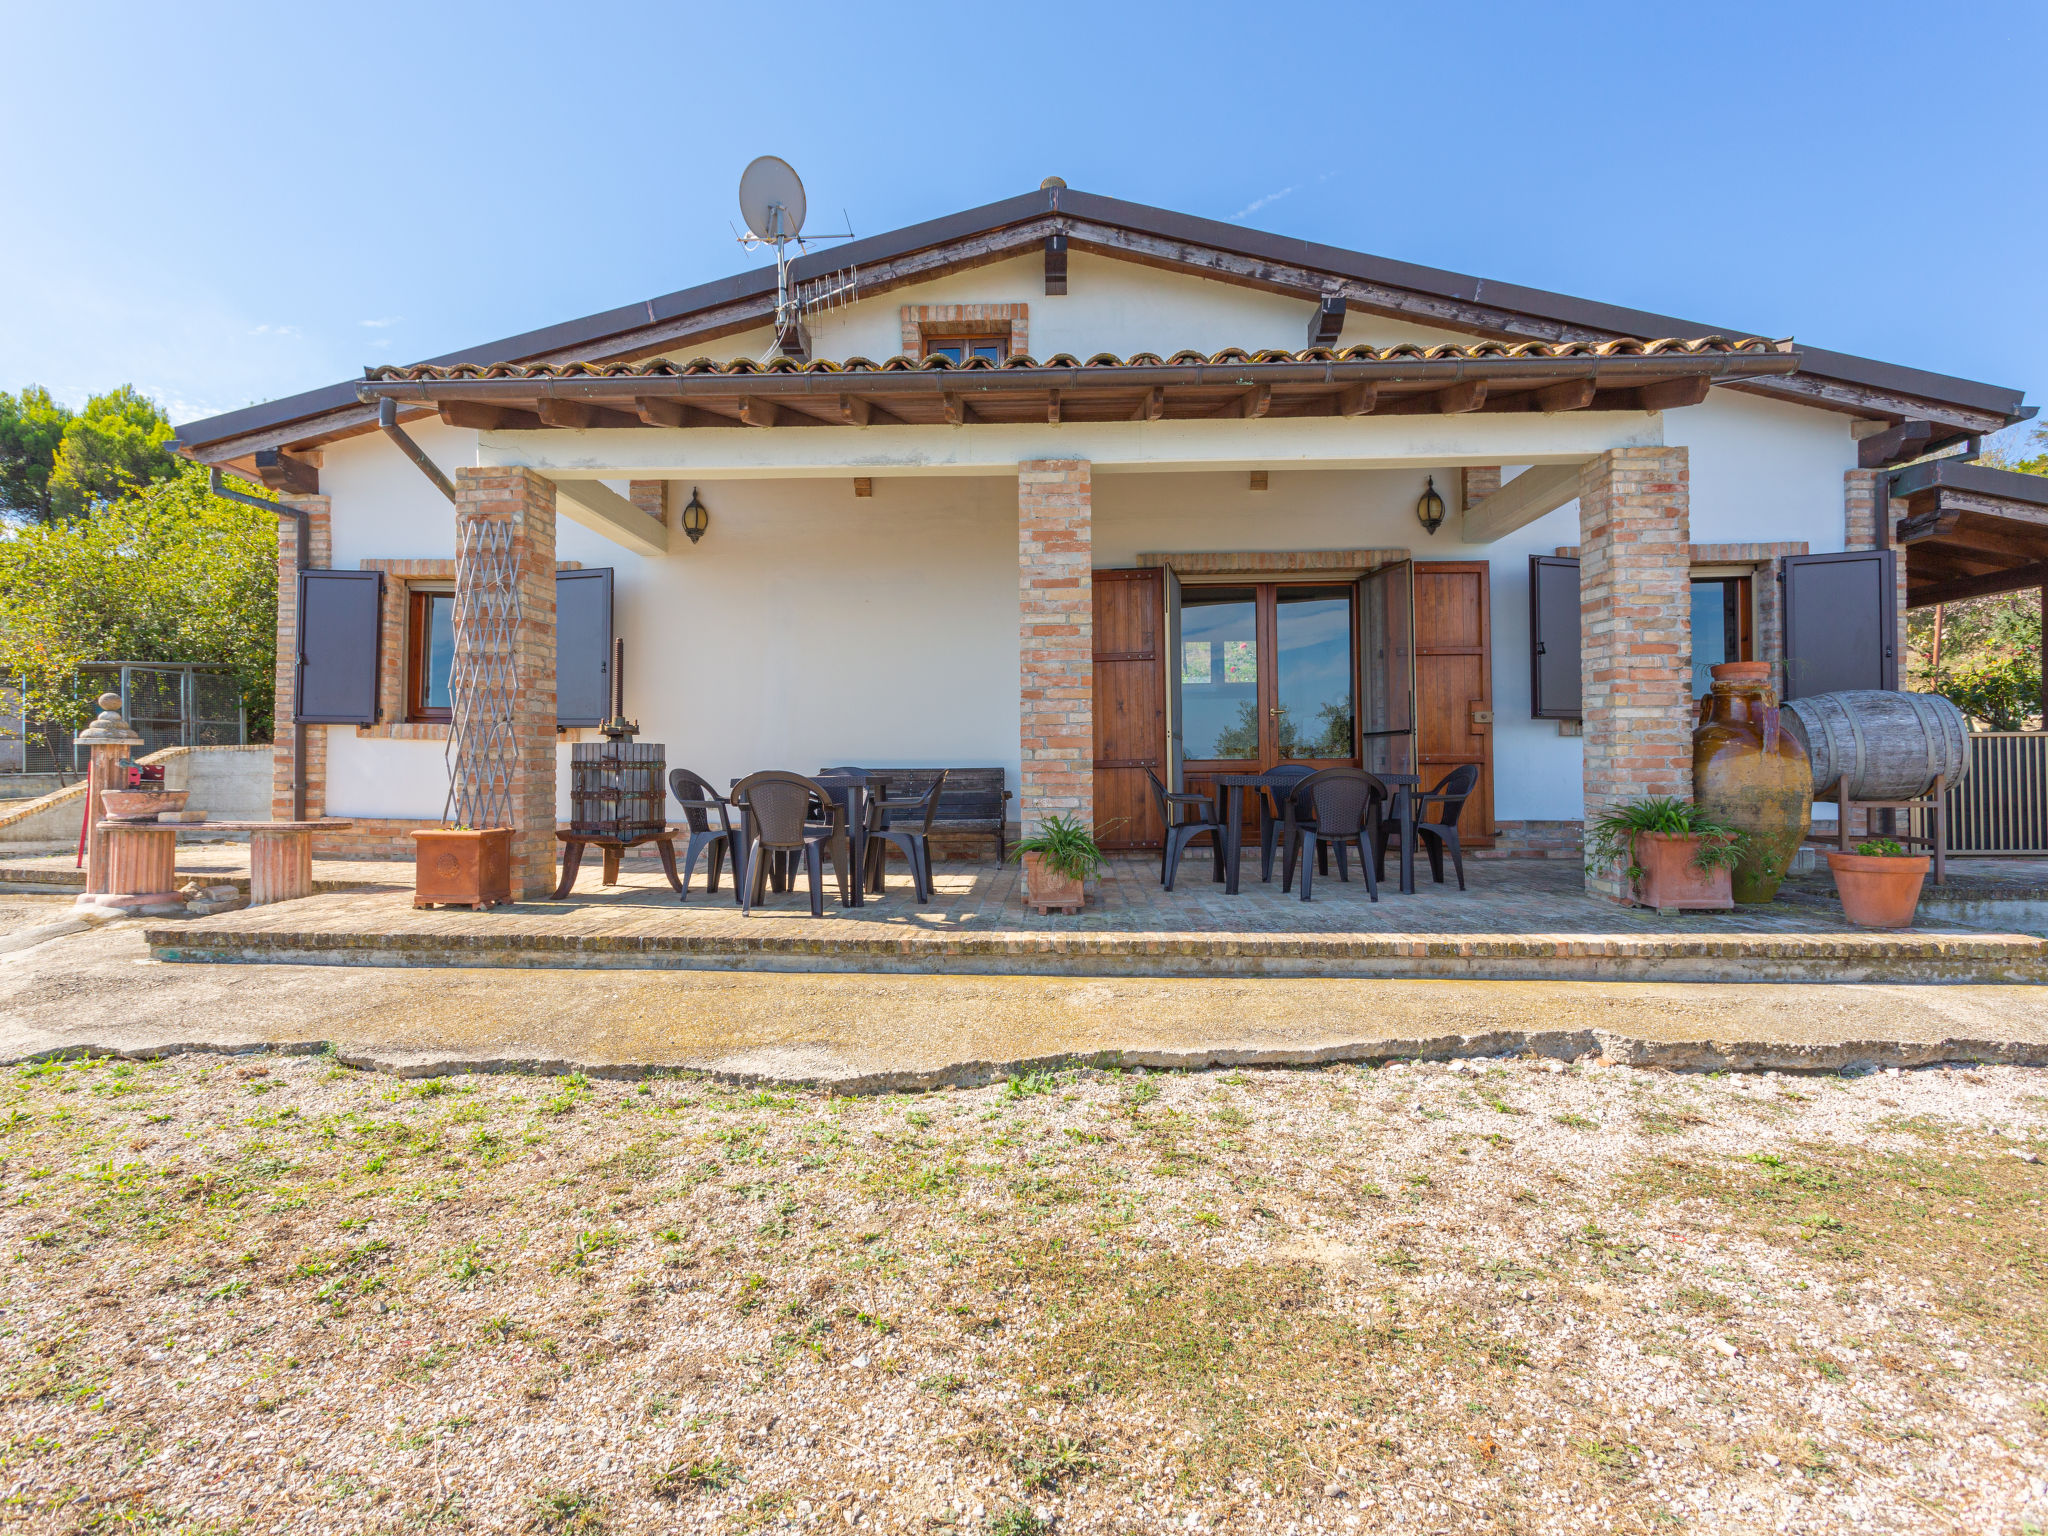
x=974, y=801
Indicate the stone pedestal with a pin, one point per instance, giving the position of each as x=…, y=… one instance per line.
x=111, y=739
x=138, y=865
x=280, y=865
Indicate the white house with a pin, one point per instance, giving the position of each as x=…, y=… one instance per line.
x=1076, y=487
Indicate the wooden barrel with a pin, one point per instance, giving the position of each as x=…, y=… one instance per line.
x=1889, y=746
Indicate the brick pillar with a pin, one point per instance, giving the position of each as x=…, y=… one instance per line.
x=526, y=501
x=1635, y=632
x=1056, y=640
x=651, y=497
x=320, y=554
x=1476, y=482
x=1861, y=530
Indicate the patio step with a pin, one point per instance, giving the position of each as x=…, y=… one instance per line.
x=1914, y=956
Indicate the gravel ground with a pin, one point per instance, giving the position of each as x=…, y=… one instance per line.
x=268, y=1293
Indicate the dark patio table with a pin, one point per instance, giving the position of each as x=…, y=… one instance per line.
x=1230, y=788
x=851, y=791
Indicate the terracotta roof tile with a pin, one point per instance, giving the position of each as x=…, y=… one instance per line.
x=662, y=367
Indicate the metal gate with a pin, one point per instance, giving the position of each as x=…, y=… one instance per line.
x=2002, y=804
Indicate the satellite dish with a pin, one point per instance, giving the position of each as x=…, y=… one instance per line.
x=772, y=199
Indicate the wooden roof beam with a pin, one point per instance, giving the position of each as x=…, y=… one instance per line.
x=1570, y=395
x=1052, y=408
x=287, y=472
x=757, y=412
x=1459, y=398
x=1673, y=394
x=1358, y=399
x=1152, y=406
x=2016, y=579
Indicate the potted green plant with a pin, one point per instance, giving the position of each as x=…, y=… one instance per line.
x=1058, y=857
x=1675, y=854
x=1879, y=883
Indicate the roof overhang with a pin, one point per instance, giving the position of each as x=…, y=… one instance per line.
x=1970, y=530
x=1357, y=381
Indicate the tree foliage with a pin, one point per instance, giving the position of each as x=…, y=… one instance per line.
x=170, y=573
x=1990, y=663
x=57, y=463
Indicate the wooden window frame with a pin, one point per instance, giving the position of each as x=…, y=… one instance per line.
x=417, y=635
x=966, y=341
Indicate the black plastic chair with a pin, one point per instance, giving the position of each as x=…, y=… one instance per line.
x=699, y=801
x=906, y=825
x=1186, y=817
x=779, y=810
x=1343, y=806
x=1448, y=799
x=1273, y=813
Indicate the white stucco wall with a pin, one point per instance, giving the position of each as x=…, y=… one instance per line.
x=811, y=627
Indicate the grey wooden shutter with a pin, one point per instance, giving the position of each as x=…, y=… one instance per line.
x=583, y=646
x=1554, y=638
x=340, y=622
x=1841, y=628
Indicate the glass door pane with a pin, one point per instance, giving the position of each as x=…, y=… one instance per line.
x=1386, y=669
x=1716, y=631
x=1219, y=673
x=1313, y=678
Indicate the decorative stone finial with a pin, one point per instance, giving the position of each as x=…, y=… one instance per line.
x=110, y=730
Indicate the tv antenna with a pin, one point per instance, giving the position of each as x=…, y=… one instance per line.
x=772, y=202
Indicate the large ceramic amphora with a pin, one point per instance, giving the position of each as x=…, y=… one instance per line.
x=1753, y=775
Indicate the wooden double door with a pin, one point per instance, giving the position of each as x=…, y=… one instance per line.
x=1391, y=671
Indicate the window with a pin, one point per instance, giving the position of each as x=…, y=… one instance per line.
x=961, y=349
x=1720, y=627
x=429, y=652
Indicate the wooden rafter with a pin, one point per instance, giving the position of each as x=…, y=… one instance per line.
x=1571, y=395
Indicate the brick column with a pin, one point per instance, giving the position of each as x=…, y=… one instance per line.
x=320, y=547
x=1476, y=482
x=1635, y=632
x=1056, y=640
x=526, y=501
x=1861, y=530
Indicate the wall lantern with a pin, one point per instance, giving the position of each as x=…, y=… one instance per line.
x=1429, y=510
x=696, y=519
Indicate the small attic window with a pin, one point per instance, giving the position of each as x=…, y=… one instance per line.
x=961, y=349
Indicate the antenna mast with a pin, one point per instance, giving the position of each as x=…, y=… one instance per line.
x=773, y=203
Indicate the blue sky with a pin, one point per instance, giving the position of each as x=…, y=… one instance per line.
x=223, y=203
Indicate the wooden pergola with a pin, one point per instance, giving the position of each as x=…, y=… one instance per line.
x=1623, y=375
x=1970, y=530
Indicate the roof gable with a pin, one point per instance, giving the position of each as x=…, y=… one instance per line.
x=1017, y=229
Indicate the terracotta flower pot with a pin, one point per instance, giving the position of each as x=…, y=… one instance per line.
x=141, y=804
x=1752, y=775
x=462, y=868
x=1045, y=887
x=1878, y=890
x=1671, y=879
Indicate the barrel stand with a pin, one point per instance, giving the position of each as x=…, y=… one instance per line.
x=1929, y=805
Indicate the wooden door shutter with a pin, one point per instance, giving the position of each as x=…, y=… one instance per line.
x=1454, y=683
x=340, y=617
x=1841, y=622
x=1554, y=638
x=1130, y=706
x=583, y=646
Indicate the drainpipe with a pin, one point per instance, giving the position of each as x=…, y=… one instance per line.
x=387, y=419
x=301, y=560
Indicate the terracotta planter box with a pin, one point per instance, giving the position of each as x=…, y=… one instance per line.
x=1045, y=889
x=1671, y=879
x=463, y=868
x=1877, y=891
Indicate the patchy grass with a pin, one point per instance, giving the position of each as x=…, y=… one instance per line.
x=1507, y=1297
